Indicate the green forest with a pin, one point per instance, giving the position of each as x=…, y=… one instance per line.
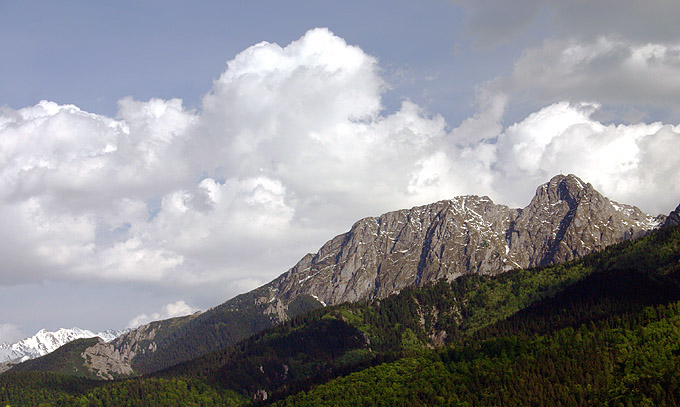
x=603, y=330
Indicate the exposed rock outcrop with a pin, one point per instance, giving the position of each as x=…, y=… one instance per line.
x=144, y=339
x=673, y=218
x=105, y=361
x=566, y=219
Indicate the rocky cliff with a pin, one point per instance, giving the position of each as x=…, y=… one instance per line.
x=105, y=362
x=44, y=342
x=566, y=219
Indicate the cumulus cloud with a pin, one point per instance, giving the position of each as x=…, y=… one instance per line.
x=497, y=22
x=609, y=70
x=291, y=145
x=73, y=183
x=10, y=333
x=175, y=309
x=289, y=142
x=631, y=163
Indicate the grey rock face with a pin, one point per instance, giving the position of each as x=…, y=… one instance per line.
x=105, y=361
x=144, y=339
x=380, y=256
x=566, y=219
x=673, y=218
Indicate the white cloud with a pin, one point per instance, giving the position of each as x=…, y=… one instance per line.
x=290, y=147
x=607, y=69
x=631, y=163
x=497, y=22
x=176, y=309
x=10, y=333
x=289, y=142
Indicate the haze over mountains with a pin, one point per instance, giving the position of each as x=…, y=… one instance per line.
x=379, y=256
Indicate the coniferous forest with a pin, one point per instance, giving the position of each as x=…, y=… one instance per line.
x=603, y=330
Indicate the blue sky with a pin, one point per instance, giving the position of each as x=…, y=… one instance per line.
x=158, y=157
x=92, y=54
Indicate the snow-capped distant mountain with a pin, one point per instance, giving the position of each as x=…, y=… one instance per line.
x=45, y=342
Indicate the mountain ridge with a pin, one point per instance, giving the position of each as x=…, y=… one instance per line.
x=470, y=234
x=379, y=256
x=495, y=320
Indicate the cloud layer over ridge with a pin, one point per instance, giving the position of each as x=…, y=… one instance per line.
x=291, y=145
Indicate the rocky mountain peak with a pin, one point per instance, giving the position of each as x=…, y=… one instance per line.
x=564, y=188
x=378, y=256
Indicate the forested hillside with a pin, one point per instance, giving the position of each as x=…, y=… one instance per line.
x=604, y=329
x=612, y=338
x=631, y=359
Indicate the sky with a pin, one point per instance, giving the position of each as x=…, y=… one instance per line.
x=160, y=157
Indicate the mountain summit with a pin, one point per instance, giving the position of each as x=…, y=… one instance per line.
x=566, y=219
x=379, y=256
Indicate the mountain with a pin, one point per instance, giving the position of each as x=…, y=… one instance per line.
x=44, y=342
x=86, y=357
x=620, y=280
x=609, y=338
x=602, y=330
x=144, y=339
x=566, y=219
x=379, y=256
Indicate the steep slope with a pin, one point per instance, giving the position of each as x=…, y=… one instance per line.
x=620, y=280
x=44, y=342
x=104, y=359
x=145, y=338
x=567, y=219
x=215, y=329
x=379, y=256
x=633, y=360
x=86, y=357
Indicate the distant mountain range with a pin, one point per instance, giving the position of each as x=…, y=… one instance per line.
x=381, y=256
x=45, y=342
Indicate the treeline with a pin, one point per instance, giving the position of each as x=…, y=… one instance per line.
x=224, y=326
x=64, y=360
